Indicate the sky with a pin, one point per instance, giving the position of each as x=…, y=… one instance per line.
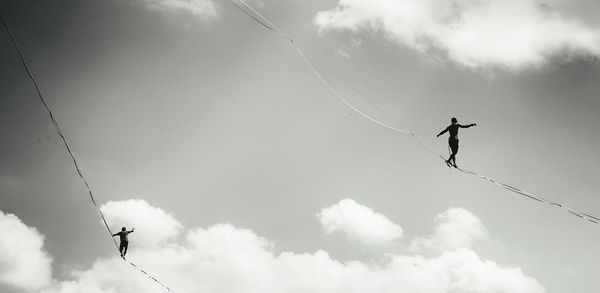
x=241, y=172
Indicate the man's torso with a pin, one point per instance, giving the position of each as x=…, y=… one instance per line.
x=123, y=236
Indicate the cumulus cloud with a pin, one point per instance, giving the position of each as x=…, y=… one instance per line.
x=511, y=34
x=359, y=223
x=205, y=9
x=23, y=262
x=226, y=258
x=454, y=228
x=153, y=225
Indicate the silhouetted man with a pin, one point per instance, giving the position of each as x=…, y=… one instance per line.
x=453, y=139
x=124, y=241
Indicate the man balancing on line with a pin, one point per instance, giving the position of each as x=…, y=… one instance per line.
x=124, y=241
x=453, y=140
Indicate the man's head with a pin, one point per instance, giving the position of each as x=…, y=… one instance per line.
x=123, y=229
x=453, y=120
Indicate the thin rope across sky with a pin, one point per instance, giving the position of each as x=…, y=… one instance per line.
x=68, y=148
x=256, y=16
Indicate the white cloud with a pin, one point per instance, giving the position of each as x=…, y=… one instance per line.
x=359, y=223
x=226, y=258
x=205, y=9
x=153, y=226
x=510, y=34
x=346, y=49
x=454, y=228
x=23, y=262
x=462, y=270
x=343, y=52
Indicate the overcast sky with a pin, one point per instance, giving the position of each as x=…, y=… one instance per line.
x=242, y=173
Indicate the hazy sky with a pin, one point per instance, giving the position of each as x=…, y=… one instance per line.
x=242, y=173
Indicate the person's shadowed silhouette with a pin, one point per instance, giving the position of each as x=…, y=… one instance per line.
x=453, y=139
x=124, y=243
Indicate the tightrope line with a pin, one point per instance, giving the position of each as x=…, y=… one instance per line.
x=256, y=16
x=68, y=147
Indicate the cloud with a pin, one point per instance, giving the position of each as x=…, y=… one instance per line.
x=359, y=223
x=511, y=34
x=462, y=270
x=226, y=258
x=454, y=228
x=23, y=262
x=153, y=225
x=205, y=9
x=346, y=49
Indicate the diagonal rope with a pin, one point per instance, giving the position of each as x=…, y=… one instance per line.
x=532, y=196
x=253, y=17
x=256, y=16
x=395, y=121
x=265, y=22
x=337, y=95
x=67, y=146
x=269, y=25
x=151, y=277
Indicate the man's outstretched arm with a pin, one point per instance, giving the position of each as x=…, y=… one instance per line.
x=443, y=131
x=467, y=126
